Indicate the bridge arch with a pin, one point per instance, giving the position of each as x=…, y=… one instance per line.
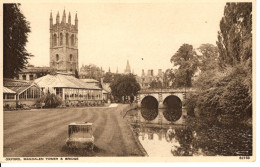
x=149, y=107
x=173, y=110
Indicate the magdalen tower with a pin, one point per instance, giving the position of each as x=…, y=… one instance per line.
x=64, y=44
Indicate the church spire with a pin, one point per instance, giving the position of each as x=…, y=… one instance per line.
x=117, y=70
x=69, y=21
x=76, y=21
x=64, y=17
x=127, y=69
x=58, y=18
x=51, y=21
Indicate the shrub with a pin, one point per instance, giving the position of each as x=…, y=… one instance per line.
x=50, y=100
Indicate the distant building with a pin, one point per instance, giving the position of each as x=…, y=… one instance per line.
x=30, y=73
x=146, y=79
x=64, y=44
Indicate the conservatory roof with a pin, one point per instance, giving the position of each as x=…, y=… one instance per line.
x=6, y=90
x=63, y=81
x=17, y=86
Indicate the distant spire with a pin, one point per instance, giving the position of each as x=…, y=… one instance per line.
x=69, y=21
x=58, y=18
x=117, y=70
x=127, y=69
x=51, y=15
x=109, y=69
x=51, y=21
x=64, y=17
x=76, y=17
x=76, y=21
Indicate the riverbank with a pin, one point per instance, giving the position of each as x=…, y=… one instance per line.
x=43, y=133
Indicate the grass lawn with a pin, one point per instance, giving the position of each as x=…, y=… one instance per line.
x=43, y=133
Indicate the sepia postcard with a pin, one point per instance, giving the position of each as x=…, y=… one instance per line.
x=128, y=81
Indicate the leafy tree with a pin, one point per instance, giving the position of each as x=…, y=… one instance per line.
x=235, y=35
x=227, y=91
x=15, y=32
x=209, y=57
x=91, y=71
x=156, y=84
x=169, y=78
x=224, y=93
x=124, y=85
x=187, y=62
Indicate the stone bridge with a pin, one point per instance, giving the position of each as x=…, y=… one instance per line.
x=166, y=103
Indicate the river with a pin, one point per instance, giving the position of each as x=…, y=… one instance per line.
x=192, y=138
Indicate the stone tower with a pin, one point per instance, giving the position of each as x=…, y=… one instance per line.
x=64, y=44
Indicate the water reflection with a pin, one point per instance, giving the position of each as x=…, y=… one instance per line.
x=194, y=137
x=166, y=140
x=175, y=140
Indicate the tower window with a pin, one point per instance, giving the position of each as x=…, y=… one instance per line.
x=24, y=77
x=55, y=40
x=71, y=57
x=57, y=57
x=67, y=39
x=72, y=40
x=61, y=38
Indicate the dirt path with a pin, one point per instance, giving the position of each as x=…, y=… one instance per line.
x=39, y=133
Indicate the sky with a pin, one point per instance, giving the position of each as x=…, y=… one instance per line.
x=146, y=34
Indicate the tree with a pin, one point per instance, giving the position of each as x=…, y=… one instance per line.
x=124, y=85
x=156, y=84
x=187, y=62
x=15, y=30
x=91, y=71
x=235, y=35
x=227, y=91
x=169, y=78
x=208, y=58
x=76, y=74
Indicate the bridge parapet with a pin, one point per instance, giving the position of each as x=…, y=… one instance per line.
x=181, y=90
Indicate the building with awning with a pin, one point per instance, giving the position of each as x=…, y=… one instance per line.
x=70, y=89
x=20, y=92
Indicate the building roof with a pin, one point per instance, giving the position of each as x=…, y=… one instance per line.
x=89, y=80
x=6, y=90
x=37, y=69
x=63, y=81
x=17, y=86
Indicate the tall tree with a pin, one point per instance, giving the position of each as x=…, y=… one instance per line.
x=124, y=85
x=187, y=62
x=208, y=57
x=235, y=35
x=15, y=30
